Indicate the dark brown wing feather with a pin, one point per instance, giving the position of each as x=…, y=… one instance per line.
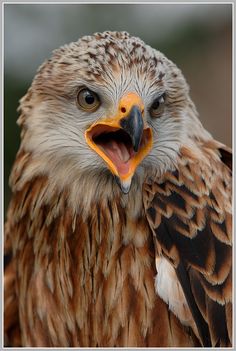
x=11, y=319
x=226, y=156
x=189, y=212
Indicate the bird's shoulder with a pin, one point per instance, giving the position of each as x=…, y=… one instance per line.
x=189, y=212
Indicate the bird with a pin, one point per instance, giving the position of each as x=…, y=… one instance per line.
x=118, y=231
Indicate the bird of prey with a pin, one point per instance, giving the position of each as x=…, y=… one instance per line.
x=118, y=232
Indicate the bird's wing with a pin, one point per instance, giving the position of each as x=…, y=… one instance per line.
x=11, y=320
x=12, y=332
x=189, y=212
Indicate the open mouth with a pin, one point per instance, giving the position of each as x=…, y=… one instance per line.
x=115, y=146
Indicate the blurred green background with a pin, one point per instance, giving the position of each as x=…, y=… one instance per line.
x=197, y=37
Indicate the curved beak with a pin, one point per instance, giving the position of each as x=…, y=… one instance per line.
x=123, y=140
x=133, y=125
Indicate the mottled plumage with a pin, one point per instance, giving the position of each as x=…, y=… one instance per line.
x=119, y=228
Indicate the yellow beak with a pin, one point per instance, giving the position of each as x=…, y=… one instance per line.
x=122, y=140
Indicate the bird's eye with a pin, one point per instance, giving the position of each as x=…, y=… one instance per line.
x=87, y=100
x=157, y=106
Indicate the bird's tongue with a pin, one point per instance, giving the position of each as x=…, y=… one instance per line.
x=119, y=154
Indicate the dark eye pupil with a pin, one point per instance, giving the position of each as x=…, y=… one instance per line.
x=155, y=105
x=89, y=98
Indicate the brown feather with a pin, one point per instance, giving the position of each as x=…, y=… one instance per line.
x=200, y=234
x=88, y=285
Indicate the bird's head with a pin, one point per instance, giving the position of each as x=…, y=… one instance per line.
x=108, y=103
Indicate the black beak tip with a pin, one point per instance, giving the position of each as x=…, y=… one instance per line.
x=136, y=147
x=133, y=125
